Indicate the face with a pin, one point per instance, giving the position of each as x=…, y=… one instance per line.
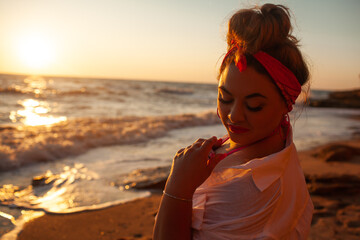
x=249, y=104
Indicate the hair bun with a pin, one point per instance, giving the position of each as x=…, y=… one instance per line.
x=276, y=22
x=266, y=28
x=261, y=28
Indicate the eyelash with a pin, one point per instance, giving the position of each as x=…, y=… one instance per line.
x=223, y=101
x=255, y=109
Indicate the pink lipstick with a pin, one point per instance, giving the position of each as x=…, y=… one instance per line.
x=237, y=129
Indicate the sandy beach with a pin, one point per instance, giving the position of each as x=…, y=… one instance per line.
x=331, y=170
x=133, y=220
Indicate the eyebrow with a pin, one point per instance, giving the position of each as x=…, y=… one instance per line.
x=225, y=90
x=253, y=95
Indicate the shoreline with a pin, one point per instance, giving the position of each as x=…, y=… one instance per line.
x=332, y=172
x=131, y=220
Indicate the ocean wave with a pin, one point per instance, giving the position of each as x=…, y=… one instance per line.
x=81, y=91
x=33, y=144
x=172, y=90
x=14, y=90
x=28, y=91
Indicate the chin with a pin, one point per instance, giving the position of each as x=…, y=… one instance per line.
x=241, y=139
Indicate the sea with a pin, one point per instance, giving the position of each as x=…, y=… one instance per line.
x=65, y=142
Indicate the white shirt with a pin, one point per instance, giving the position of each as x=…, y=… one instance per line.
x=265, y=198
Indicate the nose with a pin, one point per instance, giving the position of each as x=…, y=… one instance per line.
x=236, y=113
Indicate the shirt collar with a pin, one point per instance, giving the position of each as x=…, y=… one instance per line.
x=268, y=169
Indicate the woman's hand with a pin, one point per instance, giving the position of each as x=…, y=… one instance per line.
x=191, y=167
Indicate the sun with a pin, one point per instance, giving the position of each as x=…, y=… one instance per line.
x=35, y=51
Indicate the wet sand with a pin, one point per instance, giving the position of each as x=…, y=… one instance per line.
x=133, y=220
x=332, y=172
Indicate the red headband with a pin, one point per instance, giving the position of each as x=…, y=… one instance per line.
x=282, y=76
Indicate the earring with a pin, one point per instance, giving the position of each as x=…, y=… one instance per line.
x=285, y=122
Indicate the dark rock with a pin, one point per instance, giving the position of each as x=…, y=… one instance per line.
x=354, y=224
x=347, y=95
x=332, y=103
x=333, y=185
x=6, y=128
x=324, y=213
x=38, y=181
x=356, y=134
x=43, y=180
x=337, y=153
x=323, y=203
x=341, y=99
x=150, y=178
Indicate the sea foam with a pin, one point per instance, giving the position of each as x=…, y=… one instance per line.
x=30, y=144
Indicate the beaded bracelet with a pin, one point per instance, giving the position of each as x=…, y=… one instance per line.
x=177, y=198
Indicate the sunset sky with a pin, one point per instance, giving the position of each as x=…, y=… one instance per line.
x=164, y=39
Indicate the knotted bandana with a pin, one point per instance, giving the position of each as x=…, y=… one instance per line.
x=282, y=76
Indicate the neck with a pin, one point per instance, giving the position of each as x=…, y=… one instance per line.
x=261, y=148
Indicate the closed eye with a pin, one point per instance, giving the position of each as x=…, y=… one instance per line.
x=255, y=109
x=224, y=101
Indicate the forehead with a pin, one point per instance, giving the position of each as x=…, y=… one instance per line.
x=246, y=82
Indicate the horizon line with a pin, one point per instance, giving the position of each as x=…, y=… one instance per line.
x=143, y=80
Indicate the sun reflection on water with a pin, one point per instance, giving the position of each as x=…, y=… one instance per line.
x=35, y=113
x=36, y=84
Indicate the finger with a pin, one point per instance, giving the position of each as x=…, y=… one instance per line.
x=188, y=147
x=180, y=151
x=217, y=144
x=200, y=140
x=209, y=143
x=198, y=143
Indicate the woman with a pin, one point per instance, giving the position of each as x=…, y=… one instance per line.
x=248, y=185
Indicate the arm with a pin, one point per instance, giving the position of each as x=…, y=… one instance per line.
x=189, y=170
x=173, y=219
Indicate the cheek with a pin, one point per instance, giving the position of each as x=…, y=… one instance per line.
x=257, y=121
x=266, y=120
x=223, y=110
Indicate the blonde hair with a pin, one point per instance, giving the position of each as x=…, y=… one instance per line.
x=266, y=28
